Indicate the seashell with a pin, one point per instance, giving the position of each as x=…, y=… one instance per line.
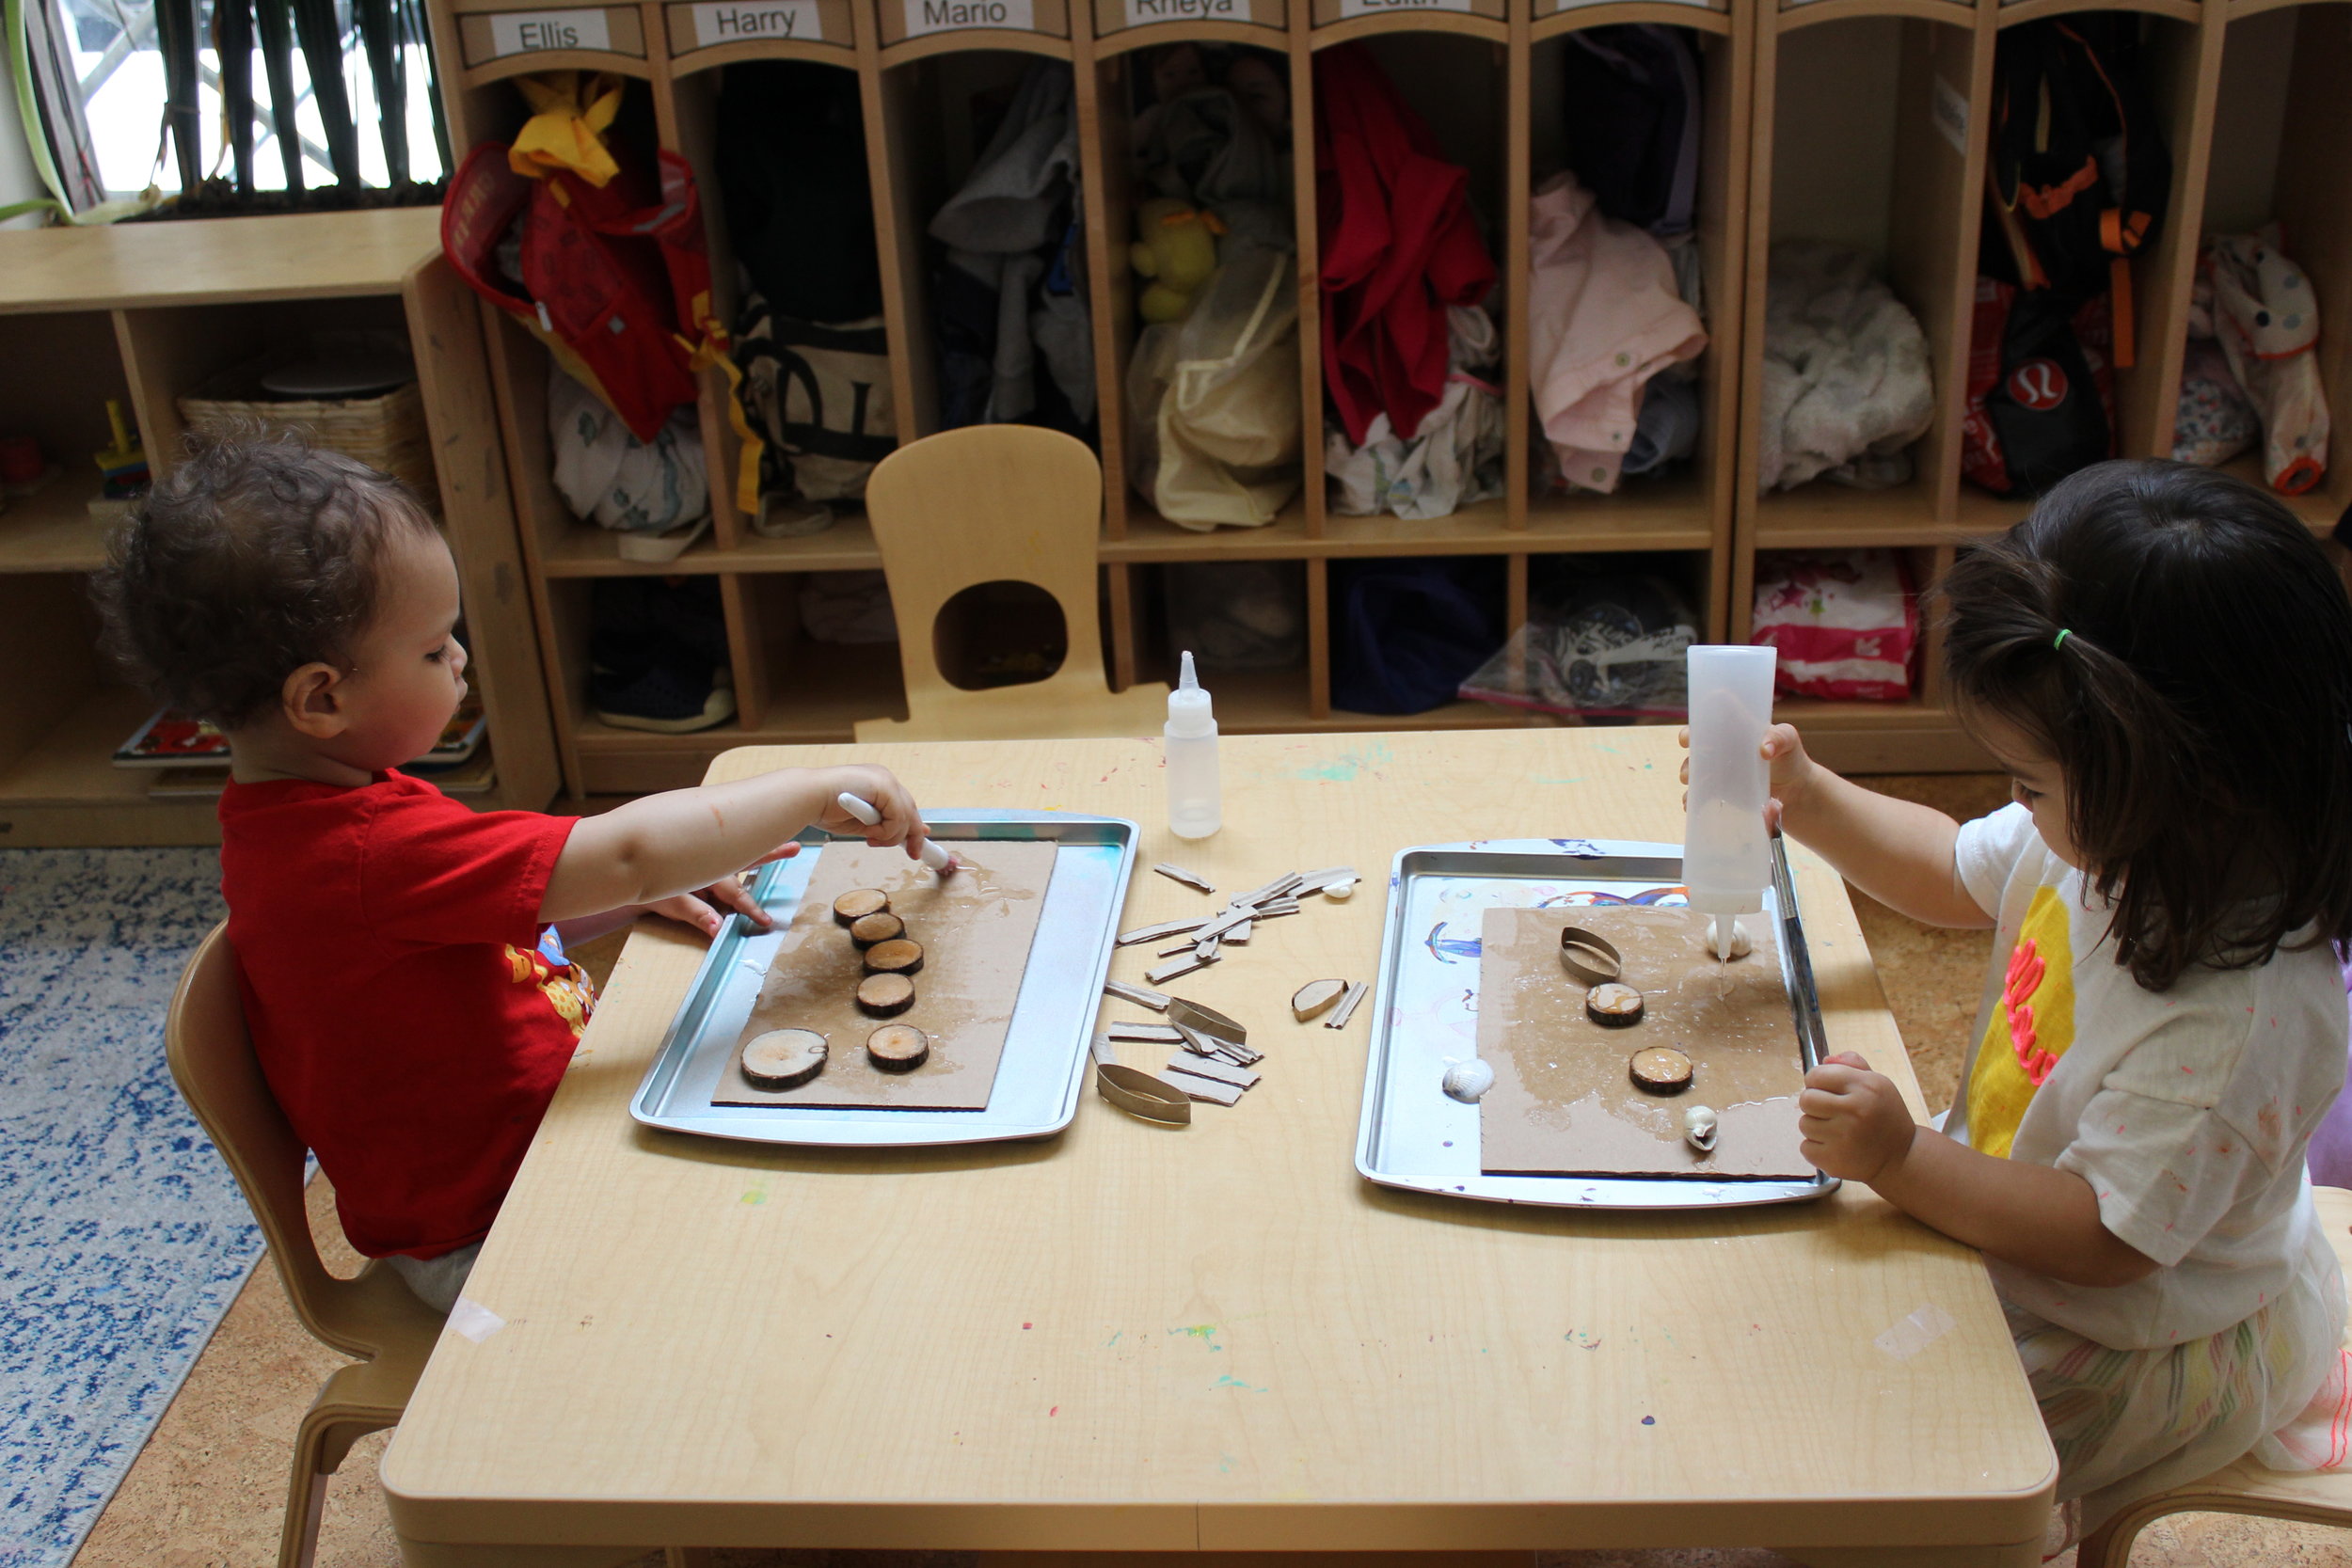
x=1699, y=1128
x=1467, y=1080
x=1740, y=943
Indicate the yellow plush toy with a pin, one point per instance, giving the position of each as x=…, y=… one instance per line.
x=1176, y=249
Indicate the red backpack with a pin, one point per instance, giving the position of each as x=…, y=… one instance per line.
x=618, y=279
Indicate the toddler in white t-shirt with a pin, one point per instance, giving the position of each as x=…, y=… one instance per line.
x=2162, y=659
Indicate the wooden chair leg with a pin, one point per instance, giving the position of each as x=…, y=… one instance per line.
x=306, y=1501
x=321, y=1446
x=2111, y=1545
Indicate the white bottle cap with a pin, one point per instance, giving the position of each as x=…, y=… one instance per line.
x=1188, y=710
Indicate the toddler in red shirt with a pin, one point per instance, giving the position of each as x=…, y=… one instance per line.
x=403, y=957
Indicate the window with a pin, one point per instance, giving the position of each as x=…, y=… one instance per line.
x=106, y=84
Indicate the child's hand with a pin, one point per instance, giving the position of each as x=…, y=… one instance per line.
x=706, y=910
x=900, y=824
x=1784, y=747
x=1853, y=1121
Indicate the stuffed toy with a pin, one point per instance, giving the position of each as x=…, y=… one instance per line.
x=1175, y=248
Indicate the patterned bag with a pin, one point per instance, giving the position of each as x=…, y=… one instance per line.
x=821, y=395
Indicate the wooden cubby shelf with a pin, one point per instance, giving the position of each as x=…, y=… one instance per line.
x=144, y=314
x=1860, y=121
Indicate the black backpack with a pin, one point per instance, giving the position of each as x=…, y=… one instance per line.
x=2078, y=177
x=1631, y=109
x=791, y=157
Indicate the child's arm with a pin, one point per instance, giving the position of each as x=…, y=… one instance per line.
x=687, y=839
x=1899, y=854
x=1855, y=1126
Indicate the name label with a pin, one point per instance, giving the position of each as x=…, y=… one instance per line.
x=1350, y=9
x=1142, y=13
x=735, y=21
x=943, y=16
x=528, y=32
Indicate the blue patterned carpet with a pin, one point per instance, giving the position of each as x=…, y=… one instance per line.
x=122, y=1239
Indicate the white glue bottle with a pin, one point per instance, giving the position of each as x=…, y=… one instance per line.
x=1725, y=862
x=1195, y=806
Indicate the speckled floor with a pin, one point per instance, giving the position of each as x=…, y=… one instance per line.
x=209, y=1489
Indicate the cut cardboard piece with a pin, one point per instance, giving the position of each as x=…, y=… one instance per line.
x=1563, y=1102
x=976, y=926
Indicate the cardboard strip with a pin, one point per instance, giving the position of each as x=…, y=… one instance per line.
x=1140, y=1094
x=1210, y=1067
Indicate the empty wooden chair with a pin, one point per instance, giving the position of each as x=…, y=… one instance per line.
x=373, y=1315
x=995, y=504
x=2306, y=1497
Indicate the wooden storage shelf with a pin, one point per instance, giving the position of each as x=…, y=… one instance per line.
x=145, y=314
x=1861, y=121
x=52, y=530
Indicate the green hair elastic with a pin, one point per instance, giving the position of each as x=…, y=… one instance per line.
x=2059, y=641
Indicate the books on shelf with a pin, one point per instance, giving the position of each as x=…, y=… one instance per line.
x=174, y=740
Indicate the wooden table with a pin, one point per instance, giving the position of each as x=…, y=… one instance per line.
x=1217, y=1338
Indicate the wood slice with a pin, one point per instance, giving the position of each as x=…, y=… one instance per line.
x=1613, y=1004
x=899, y=1046
x=1314, y=996
x=898, y=955
x=783, y=1059
x=859, y=902
x=877, y=928
x=885, y=995
x=1660, y=1070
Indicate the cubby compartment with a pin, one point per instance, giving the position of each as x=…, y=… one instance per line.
x=1600, y=639
x=1880, y=736
x=1404, y=630
x=1862, y=142
x=939, y=112
x=775, y=131
x=1659, y=228
x=57, y=375
x=2281, y=143
x=1249, y=626
x=1451, y=72
x=1201, y=382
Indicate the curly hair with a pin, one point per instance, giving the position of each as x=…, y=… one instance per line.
x=252, y=558
x=2198, y=705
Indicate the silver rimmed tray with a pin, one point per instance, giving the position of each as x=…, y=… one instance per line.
x=1410, y=1134
x=1042, y=1070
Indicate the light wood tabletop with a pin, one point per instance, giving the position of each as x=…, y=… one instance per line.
x=1218, y=1337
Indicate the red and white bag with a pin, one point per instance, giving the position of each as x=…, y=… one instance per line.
x=1846, y=623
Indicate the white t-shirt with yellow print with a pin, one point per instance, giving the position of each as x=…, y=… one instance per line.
x=2186, y=1111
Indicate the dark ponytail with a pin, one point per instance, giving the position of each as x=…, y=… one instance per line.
x=2177, y=643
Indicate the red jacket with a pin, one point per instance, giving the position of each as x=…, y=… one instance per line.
x=1399, y=246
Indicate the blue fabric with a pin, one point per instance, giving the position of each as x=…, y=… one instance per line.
x=123, y=1237
x=1411, y=631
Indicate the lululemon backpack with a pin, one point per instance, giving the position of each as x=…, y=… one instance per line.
x=2078, y=177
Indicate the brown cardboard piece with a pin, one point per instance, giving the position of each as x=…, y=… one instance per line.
x=976, y=929
x=1563, y=1102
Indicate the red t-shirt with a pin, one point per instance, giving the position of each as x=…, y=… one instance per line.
x=411, y=1014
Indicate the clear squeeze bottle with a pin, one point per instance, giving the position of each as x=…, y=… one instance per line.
x=1726, y=863
x=1195, y=807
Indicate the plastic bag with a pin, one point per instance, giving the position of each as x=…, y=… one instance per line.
x=1612, y=648
x=1214, y=430
x=1846, y=623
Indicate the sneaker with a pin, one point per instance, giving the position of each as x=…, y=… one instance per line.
x=660, y=697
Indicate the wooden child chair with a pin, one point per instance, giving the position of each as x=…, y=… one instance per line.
x=373, y=1315
x=997, y=503
x=2307, y=1497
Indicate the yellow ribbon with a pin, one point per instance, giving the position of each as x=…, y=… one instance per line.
x=570, y=112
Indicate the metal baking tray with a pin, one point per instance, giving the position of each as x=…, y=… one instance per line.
x=1042, y=1070
x=1410, y=1134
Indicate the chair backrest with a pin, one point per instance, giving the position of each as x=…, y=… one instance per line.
x=213, y=1063
x=997, y=503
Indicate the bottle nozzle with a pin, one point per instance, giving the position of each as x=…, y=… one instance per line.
x=1188, y=681
x=1188, y=707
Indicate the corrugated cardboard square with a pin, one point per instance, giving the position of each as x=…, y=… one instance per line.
x=976, y=929
x=1562, y=1101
